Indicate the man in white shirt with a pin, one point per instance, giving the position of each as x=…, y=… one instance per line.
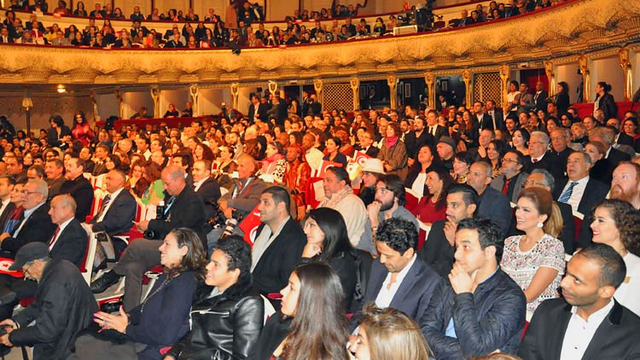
x=587, y=323
x=400, y=279
x=69, y=240
x=579, y=190
x=118, y=209
x=312, y=154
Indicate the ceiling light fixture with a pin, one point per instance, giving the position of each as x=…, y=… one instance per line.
x=61, y=89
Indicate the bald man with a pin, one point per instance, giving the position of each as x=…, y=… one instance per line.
x=183, y=208
x=118, y=208
x=69, y=240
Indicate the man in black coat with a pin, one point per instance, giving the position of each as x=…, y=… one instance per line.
x=36, y=224
x=417, y=137
x=78, y=187
x=205, y=186
x=557, y=329
x=278, y=111
x=69, y=240
x=279, y=242
x=257, y=109
x=63, y=305
x=540, y=97
x=541, y=158
x=480, y=310
x=7, y=183
x=183, y=208
x=495, y=115
x=492, y=204
x=578, y=189
x=118, y=208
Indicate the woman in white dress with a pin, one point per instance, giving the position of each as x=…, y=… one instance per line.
x=535, y=261
x=615, y=223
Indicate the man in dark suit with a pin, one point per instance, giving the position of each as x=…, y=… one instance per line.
x=579, y=190
x=244, y=196
x=492, y=204
x=480, y=310
x=587, y=323
x=560, y=140
x=541, y=158
x=54, y=169
x=483, y=120
x=366, y=145
x=606, y=136
x=36, y=224
x=439, y=248
x=6, y=206
x=496, y=115
x=5, y=37
x=118, y=208
x=183, y=209
x=540, y=97
x=257, y=109
x=69, y=240
x=433, y=128
x=15, y=168
x=512, y=179
x=78, y=187
x=278, y=111
x=206, y=187
x=100, y=167
x=400, y=279
x=315, y=108
x=416, y=138
x=279, y=242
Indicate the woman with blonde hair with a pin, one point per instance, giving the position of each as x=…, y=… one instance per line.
x=535, y=261
x=389, y=334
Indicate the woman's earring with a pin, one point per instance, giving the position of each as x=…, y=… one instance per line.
x=540, y=224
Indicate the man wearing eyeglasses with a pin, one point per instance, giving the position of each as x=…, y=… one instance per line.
x=36, y=224
x=513, y=178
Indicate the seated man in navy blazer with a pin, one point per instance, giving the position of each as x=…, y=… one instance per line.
x=400, y=279
x=69, y=240
x=588, y=323
x=480, y=310
x=118, y=208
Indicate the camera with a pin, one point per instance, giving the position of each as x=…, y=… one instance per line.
x=218, y=220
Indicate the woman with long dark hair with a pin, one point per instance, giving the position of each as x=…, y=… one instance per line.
x=432, y=206
x=311, y=323
x=393, y=152
x=418, y=172
x=328, y=241
x=163, y=317
x=495, y=152
x=605, y=101
x=57, y=131
x=333, y=152
x=562, y=98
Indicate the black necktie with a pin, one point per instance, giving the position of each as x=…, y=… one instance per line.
x=105, y=202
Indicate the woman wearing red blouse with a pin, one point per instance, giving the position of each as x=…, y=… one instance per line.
x=81, y=129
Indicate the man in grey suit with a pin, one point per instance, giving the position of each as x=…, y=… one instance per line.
x=512, y=179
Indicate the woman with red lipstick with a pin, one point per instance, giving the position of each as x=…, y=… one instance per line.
x=615, y=223
x=535, y=260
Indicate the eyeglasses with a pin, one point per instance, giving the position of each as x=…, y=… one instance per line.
x=505, y=160
x=532, y=183
x=27, y=192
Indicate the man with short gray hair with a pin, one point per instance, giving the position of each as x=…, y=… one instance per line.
x=606, y=136
x=492, y=204
x=36, y=224
x=578, y=189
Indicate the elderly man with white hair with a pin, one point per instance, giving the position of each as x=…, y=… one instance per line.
x=541, y=158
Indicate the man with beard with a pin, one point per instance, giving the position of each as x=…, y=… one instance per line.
x=625, y=184
x=389, y=203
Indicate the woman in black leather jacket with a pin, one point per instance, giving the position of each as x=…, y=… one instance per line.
x=227, y=314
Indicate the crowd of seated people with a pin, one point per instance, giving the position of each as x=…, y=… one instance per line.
x=453, y=235
x=240, y=27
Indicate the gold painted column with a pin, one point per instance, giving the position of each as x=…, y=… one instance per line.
x=235, y=91
x=94, y=105
x=504, y=76
x=273, y=87
x=551, y=76
x=317, y=85
x=392, y=81
x=355, y=88
x=627, y=73
x=430, y=80
x=118, y=93
x=194, y=92
x=155, y=96
x=586, y=78
x=466, y=77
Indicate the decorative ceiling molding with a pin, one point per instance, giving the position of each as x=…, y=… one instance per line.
x=595, y=27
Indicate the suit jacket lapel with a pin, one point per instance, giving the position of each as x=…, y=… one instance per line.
x=600, y=338
x=558, y=332
x=406, y=285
